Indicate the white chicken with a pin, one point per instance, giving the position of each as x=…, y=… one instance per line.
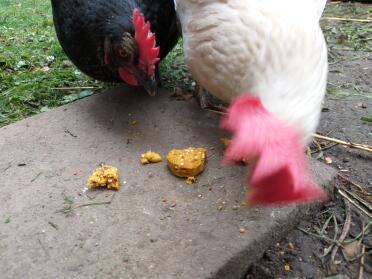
x=268, y=58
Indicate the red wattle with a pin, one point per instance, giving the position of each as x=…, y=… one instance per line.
x=127, y=77
x=280, y=172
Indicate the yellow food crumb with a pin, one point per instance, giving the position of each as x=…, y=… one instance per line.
x=328, y=160
x=242, y=230
x=191, y=180
x=290, y=245
x=104, y=176
x=226, y=141
x=187, y=162
x=287, y=267
x=150, y=157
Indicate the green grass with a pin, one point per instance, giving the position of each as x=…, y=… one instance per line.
x=350, y=34
x=28, y=41
x=174, y=71
x=28, y=81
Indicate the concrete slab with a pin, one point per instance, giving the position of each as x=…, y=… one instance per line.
x=156, y=226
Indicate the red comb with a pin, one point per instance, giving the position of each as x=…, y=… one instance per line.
x=148, y=53
x=280, y=172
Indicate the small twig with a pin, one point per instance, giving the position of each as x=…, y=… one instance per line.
x=96, y=203
x=70, y=133
x=361, y=188
x=365, y=230
x=361, y=268
x=324, y=148
x=326, y=223
x=36, y=177
x=359, y=199
x=344, y=232
x=93, y=203
x=75, y=88
x=215, y=111
x=53, y=225
x=354, y=203
x=329, y=249
x=346, y=19
x=348, y=59
x=317, y=144
x=325, y=238
x=44, y=248
x=7, y=167
x=364, y=147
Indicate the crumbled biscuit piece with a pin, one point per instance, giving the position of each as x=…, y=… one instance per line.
x=104, y=176
x=187, y=162
x=150, y=157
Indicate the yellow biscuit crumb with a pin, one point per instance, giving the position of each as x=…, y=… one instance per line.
x=104, y=176
x=187, y=162
x=150, y=157
x=191, y=180
x=226, y=141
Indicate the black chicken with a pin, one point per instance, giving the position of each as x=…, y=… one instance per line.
x=109, y=40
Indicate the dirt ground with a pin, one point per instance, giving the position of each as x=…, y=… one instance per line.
x=306, y=251
x=300, y=255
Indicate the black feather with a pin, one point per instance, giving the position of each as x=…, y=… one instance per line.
x=82, y=25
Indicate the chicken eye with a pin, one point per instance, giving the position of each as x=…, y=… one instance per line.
x=123, y=54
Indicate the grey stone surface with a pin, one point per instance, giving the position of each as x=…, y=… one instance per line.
x=156, y=226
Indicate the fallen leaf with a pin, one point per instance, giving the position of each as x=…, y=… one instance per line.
x=77, y=96
x=352, y=249
x=367, y=118
x=44, y=109
x=328, y=160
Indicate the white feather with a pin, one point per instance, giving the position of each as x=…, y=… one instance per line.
x=320, y=4
x=274, y=49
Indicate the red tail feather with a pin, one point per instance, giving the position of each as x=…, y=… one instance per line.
x=280, y=172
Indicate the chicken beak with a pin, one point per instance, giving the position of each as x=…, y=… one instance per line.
x=149, y=83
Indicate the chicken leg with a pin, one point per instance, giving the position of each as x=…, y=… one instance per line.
x=157, y=77
x=207, y=101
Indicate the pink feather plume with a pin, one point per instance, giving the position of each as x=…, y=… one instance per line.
x=279, y=169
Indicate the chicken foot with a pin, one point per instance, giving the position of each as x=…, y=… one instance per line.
x=206, y=100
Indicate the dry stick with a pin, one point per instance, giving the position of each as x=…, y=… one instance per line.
x=364, y=147
x=317, y=145
x=361, y=268
x=346, y=19
x=324, y=148
x=361, y=188
x=359, y=199
x=345, y=230
x=323, y=237
x=354, y=203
